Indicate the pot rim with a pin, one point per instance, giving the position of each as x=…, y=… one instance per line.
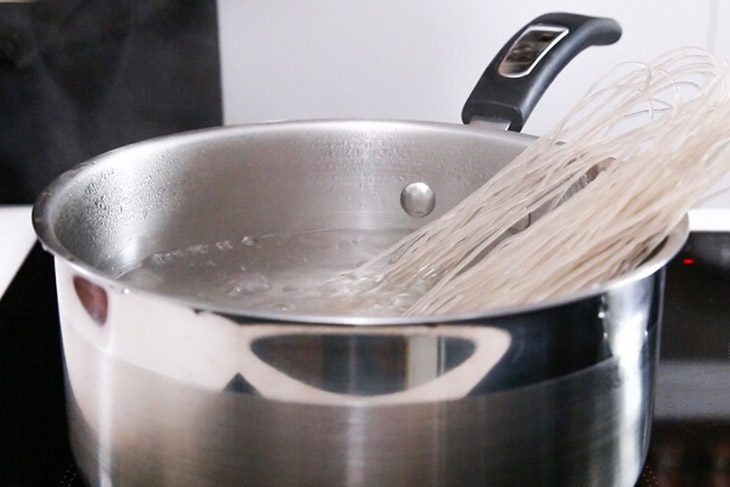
x=47, y=204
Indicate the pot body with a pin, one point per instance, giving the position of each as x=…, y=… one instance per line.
x=164, y=388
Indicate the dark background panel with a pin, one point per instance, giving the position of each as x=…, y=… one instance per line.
x=80, y=77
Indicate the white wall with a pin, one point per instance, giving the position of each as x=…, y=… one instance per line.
x=407, y=59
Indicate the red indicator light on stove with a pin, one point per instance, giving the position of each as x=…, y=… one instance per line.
x=688, y=261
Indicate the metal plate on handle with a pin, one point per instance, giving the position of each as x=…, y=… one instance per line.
x=529, y=49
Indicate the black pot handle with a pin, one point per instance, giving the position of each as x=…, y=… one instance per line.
x=516, y=79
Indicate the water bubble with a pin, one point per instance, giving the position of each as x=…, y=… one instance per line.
x=200, y=249
x=309, y=271
x=250, y=284
x=224, y=245
x=365, y=283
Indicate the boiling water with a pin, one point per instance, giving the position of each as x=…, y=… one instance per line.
x=305, y=272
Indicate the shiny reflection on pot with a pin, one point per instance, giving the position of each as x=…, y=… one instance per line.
x=363, y=365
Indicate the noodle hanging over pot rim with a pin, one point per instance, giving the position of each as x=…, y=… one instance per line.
x=602, y=189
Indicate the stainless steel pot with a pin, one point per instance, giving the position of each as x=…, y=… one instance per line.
x=168, y=388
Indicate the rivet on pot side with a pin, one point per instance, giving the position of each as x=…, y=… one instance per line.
x=417, y=199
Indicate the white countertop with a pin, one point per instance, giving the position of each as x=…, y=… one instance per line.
x=16, y=239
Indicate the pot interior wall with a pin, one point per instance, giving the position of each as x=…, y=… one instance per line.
x=208, y=186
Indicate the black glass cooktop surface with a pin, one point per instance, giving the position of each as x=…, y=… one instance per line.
x=691, y=431
x=690, y=435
